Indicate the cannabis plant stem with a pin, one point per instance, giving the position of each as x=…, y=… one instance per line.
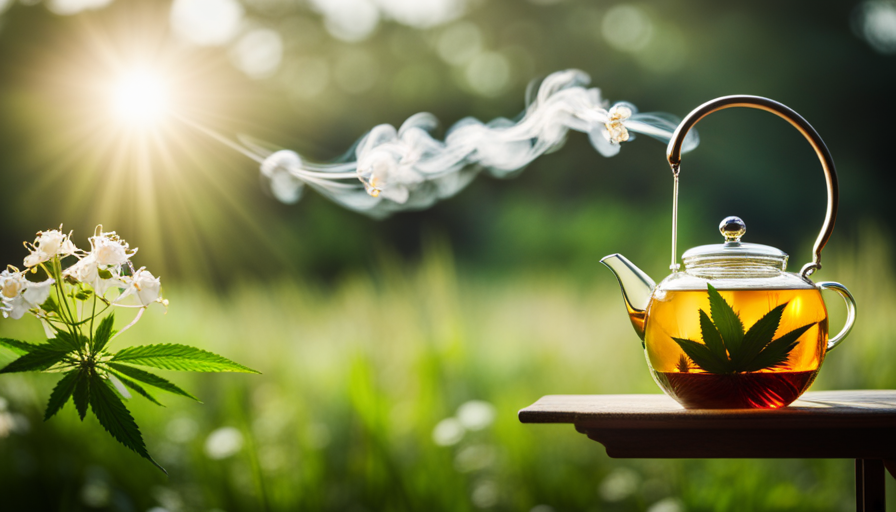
x=134, y=321
x=92, y=316
x=60, y=293
x=57, y=265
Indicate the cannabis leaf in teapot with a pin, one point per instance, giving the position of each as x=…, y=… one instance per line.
x=728, y=348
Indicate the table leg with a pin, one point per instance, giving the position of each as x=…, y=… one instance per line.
x=860, y=487
x=870, y=495
x=891, y=467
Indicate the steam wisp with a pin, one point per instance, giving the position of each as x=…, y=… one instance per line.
x=391, y=169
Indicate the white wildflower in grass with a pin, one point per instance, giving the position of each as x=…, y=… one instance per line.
x=474, y=458
x=11, y=423
x=476, y=414
x=75, y=305
x=181, y=430
x=223, y=442
x=667, y=505
x=448, y=432
x=619, y=485
x=485, y=494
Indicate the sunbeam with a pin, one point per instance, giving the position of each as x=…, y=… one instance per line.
x=140, y=97
x=120, y=144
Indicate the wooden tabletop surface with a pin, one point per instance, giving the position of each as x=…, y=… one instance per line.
x=822, y=424
x=862, y=408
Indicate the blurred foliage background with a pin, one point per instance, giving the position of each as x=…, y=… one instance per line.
x=395, y=353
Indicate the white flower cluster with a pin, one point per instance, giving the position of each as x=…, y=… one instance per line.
x=105, y=267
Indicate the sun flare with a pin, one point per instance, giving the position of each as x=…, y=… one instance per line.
x=140, y=98
x=126, y=138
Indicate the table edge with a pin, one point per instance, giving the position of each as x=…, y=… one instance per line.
x=678, y=417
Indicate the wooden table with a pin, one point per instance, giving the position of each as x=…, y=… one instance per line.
x=857, y=425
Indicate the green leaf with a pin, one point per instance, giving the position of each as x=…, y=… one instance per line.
x=19, y=347
x=136, y=387
x=65, y=339
x=702, y=356
x=116, y=419
x=103, y=333
x=81, y=395
x=711, y=337
x=83, y=294
x=40, y=358
x=178, y=357
x=727, y=322
x=760, y=334
x=746, y=352
x=50, y=305
x=61, y=393
x=104, y=274
x=776, y=353
x=150, y=379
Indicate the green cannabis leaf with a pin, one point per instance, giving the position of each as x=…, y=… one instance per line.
x=74, y=305
x=727, y=348
x=684, y=364
x=178, y=357
x=88, y=370
x=17, y=347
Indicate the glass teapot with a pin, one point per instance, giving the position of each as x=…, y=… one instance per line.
x=734, y=330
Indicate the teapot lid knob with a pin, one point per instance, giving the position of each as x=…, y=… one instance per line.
x=732, y=228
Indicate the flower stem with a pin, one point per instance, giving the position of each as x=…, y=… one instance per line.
x=56, y=274
x=92, y=316
x=133, y=322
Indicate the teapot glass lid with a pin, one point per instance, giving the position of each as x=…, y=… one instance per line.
x=734, y=253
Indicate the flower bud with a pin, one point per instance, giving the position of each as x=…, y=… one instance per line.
x=11, y=284
x=38, y=293
x=48, y=245
x=50, y=241
x=148, y=287
x=109, y=252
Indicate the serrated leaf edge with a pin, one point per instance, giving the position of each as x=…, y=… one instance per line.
x=741, y=356
x=136, y=387
x=61, y=394
x=143, y=376
x=106, y=406
x=185, y=358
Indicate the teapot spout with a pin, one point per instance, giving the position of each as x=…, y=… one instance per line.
x=637, y=287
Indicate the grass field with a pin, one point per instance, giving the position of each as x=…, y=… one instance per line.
x=398, y=390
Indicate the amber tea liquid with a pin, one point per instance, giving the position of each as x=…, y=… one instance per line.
x=675, y=313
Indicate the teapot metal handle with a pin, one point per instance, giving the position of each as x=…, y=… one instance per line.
x=673, y=154
x=850, y=311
